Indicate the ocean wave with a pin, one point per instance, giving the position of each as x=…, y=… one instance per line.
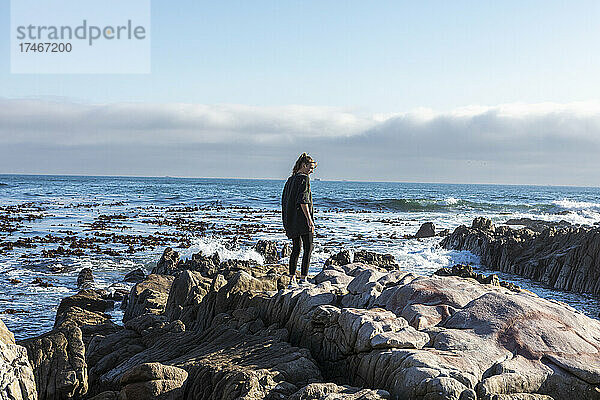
x=451, y=201
x=210, y=246
x=452, y=204
x=414, y=205
x=574, y=205
x=406, y=205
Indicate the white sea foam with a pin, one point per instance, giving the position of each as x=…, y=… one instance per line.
x=425, y=257
x=573, y=205
x=450, y=201
x=209, y=246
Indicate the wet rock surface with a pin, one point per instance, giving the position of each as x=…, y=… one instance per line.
x=268, y=250
x=85, y=279
x=426, y=230
x=466, y=271
x=561, y=257
x=135, y=276
x=345, y=257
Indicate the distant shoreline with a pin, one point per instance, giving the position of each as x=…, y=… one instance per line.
x=284, y=178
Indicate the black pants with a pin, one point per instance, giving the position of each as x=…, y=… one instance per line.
x=307, y=244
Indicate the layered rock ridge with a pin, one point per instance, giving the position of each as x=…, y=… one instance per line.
x=236, y=330
x=359, y=327
x=563, y=257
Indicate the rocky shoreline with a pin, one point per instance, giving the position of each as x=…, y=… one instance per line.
x=203, y=328
x=562, y=256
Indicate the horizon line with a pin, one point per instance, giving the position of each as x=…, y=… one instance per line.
x=283, y=179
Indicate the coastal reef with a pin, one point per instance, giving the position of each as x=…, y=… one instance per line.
x=562, y=256
x=203, y=328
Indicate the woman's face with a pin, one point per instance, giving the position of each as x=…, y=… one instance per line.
x=309, y=168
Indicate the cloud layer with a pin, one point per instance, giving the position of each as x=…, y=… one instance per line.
x=512, y=143
x=37, y=121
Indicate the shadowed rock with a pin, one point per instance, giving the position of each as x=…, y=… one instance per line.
x=85, y=310
x=58, y=357
x=58, y=361
x=153, y=381
x=235, y=358
x=135, y=276
x=537, y=225
x=565, y=258
x=286, y=250
x=466, y=271
x=85, y=279
x=426, y=230
x=344, y=257
x=168, y=263
x=267, y=249
x=148, y=296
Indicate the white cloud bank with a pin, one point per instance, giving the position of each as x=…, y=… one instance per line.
x=35, y=121
x=512, y=143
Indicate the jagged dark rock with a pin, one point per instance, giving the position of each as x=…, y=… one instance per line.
x=58, y=357
x=342, y=258
x=207, y=265
x=149, y=296
x=235, y=357
x=565, y=258
x=286, y=250
x=86, y=310
x=466, y=271
x=168, y=263
x=135, y=276
x=386, y=261
x=187, y=292
x=537, y=225
x=85, y=279
x=426, y=230
x=345, y=257
x=267, y=249
x=211, y=266
x=58, y=361
x=87, y=299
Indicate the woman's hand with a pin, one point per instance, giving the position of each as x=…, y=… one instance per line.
x=309, y=220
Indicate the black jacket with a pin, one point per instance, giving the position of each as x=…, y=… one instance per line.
x=296, y=192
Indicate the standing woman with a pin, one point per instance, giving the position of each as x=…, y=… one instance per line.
x=297, y=211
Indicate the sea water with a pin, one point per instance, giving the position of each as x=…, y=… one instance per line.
x=349, y=215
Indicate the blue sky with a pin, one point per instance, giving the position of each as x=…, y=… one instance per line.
x=363, y=60
x=380, y=56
